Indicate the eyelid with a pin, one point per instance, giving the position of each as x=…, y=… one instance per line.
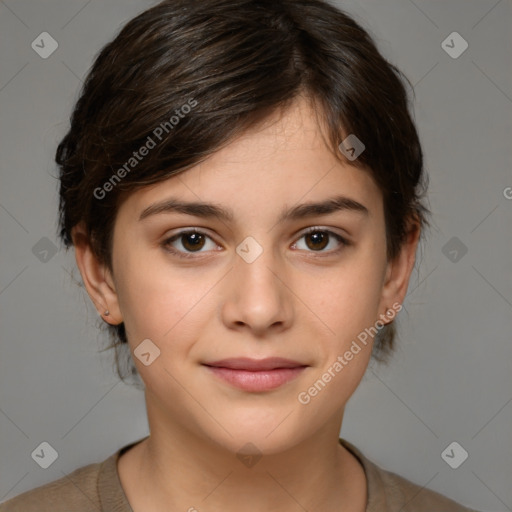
x=326, y=229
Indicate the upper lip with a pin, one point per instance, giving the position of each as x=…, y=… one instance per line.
x=246, y=363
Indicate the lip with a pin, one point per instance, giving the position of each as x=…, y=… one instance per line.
x=246, y=363
x=256, y=375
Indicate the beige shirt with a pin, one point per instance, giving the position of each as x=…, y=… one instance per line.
x=97, y=487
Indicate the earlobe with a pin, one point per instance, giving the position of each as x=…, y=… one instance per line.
x=97, y=278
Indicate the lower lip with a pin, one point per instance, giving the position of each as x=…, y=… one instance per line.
x=263, y=380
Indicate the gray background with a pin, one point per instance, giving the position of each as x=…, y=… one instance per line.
x=450, y=379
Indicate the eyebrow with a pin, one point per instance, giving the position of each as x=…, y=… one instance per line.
x=301, y=211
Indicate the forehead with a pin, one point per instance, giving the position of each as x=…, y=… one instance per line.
x=282, y=161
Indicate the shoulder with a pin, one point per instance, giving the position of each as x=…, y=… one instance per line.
x=77, y=491
x=410, y=497
x=389, y=492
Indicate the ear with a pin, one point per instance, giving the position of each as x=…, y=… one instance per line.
x=398, y=270
x=97, y=278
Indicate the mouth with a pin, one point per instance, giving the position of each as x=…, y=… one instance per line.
x=256, y=375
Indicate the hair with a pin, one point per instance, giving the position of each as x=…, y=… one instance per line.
x=232, y=63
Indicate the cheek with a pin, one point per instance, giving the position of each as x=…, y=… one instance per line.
x=158, y=301
x=347, y=305
x=348, y=301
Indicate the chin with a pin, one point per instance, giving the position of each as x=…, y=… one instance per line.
x=259, y=437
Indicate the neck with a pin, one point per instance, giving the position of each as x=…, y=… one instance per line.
x=177, y=469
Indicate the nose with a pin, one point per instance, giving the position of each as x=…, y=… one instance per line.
x=258, y=297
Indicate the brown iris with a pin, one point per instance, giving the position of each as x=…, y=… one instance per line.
x=319, y=240
x=192, y=241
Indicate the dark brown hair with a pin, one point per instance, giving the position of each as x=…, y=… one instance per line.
x=232, y=63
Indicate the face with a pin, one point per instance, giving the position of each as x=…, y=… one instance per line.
x=270, y=279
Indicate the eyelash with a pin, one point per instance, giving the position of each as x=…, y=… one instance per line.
x=180, y=254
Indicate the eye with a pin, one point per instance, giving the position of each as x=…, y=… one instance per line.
x=191, y=240
x=317, y=239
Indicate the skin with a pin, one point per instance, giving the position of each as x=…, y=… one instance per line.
x=300, y=299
